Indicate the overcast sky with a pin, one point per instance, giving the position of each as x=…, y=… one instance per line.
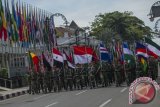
x=83, y=11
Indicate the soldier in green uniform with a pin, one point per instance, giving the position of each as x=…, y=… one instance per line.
x=118, y=70
x=128, y=73
x=29, y=79
x=92, y=71
x=78, y=76
x=97, y=74
x=109, y=74
x=74, y=78
x=69, y=82
x=34, y=82
x=45, y=82
x=104, y=73
x=152, y=68
x=85, y=75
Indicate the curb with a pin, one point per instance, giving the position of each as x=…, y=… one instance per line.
x=8, y=96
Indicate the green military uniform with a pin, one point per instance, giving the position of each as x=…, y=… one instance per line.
x=92, y=81
x=69, y=82
x=118, y=70
x=105, y=74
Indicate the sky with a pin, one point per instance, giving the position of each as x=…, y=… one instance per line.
x=83, y=12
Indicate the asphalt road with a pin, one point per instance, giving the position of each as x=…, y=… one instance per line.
x=101, y=97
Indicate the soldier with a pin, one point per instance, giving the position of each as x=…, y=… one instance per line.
x=85, y=75
x=34, y=82
x=69, y=79
x=104, y=73
x=109, y=74
x=29, y=79
x=97, y=74
x=128, y=73
x=74, y=78
x=118, y=70
x=56, y=76
x=92, y=76
x=78, y=78
x=153, y=68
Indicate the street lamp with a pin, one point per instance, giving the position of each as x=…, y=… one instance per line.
x=155, y=11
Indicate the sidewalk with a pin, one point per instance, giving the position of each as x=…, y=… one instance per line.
x=10, y=93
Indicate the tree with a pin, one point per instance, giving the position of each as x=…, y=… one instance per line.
x=117, y=25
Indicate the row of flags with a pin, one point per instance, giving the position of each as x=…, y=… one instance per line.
x=86, y=54
x=25, y=25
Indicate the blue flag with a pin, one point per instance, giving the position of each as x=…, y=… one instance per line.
x=104, y=54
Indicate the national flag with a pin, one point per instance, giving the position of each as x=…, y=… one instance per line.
x=3, y=23
x=34, y=60
x=15, y=23
x=46, y=64
x=144, y=63
x=104, y=54
x=153, y=48
x=141, y=50
x=52, y=35
x=128, y=54
x=82, y=54
x=69, y=60
x=57, y=55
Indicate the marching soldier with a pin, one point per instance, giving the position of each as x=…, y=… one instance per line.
x=104, y=77
x=118, y=70
x=69, y=82
x=56, y=77
x=92, y=76
x=152, y=68
x=78, y=77
x=29, y=75
x=128, y=73
x=86, y=76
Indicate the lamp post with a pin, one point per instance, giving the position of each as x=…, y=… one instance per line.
x=154, y=11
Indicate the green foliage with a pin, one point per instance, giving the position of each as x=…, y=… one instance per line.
x=120, y=26
x=4, y=73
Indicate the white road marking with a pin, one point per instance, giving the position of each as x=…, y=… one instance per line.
x=81, y=92
x=52, y=104
x=123, y=90
x=102, y=105
x=40, y=97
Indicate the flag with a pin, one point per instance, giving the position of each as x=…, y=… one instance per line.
x=69, y=60
x=142, y=53
x=144, y=63
x=46, y=64
x=15, y=23
x=104, y=54
x=153, y=48
x=52, y=35
x=82, y=54
x=3, y=23
x=34, y=60
x=57, y=55
x=128, y=54
x=141, y=50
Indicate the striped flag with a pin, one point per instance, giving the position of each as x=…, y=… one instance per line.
x=57, y=55
x=128, y=54
x=69, y=60
x=153, y=48
x=141, y=50
x=104, y=54
x=3, y=26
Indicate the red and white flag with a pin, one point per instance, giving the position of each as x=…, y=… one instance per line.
x=57, y=55
x=69, y=60
x=83, y=54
